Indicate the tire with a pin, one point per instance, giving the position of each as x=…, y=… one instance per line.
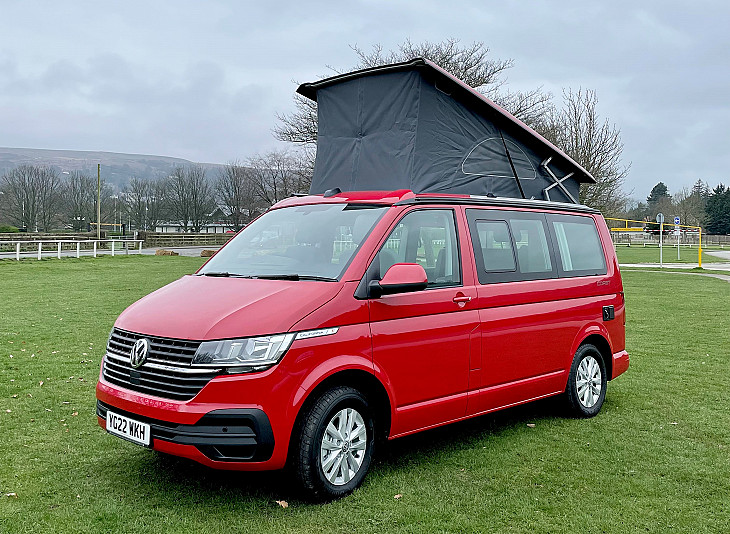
x=586, y=389
x=316, y=444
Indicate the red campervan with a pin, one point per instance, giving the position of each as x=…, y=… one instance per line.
x=332, y=321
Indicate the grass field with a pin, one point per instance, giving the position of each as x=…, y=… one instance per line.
x=638, y=254
x=657, y=458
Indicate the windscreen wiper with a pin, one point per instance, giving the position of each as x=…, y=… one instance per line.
x=294, y=277
x=223, y=274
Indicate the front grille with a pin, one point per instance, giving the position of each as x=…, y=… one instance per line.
x=166, y=373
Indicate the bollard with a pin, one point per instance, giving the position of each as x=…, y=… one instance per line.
x=58, y=252
x=95, y=249
x=112, y=249
x=17, y=251
x=40, y=244
x=78, y=249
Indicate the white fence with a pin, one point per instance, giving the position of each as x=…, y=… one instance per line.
x=55, y=247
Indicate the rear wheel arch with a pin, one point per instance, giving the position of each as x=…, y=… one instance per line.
x=603, y=346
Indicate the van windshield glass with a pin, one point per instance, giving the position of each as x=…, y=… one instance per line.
x=314, y=242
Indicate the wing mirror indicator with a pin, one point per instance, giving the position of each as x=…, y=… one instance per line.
x=399, y=278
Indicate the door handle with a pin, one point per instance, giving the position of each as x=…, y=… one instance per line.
x=461, y=299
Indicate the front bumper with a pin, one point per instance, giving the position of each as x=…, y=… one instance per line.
x=232, y=435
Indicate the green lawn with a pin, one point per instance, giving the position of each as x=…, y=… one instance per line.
x=657, y=458
x=639, y=254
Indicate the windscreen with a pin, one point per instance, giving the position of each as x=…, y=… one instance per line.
x=298, y=242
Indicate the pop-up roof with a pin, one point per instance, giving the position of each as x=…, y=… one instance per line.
x=414, y=126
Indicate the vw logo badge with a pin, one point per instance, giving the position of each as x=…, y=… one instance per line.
x=138, y=355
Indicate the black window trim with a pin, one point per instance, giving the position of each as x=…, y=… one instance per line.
x=474, y=215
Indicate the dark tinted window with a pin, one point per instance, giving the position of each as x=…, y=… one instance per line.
x=533, y=254
x=511, y=246
x=496, y=246
x=578, y=245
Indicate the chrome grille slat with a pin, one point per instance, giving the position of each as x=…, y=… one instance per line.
x=166, y=373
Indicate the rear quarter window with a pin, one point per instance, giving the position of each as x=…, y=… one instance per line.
x=578, y=245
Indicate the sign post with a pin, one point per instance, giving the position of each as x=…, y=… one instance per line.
x=660, y=220
x=677, y=233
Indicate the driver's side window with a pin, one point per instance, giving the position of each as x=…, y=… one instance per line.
x=427, y=237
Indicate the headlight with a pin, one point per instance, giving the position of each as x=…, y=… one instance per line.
x=242, y=355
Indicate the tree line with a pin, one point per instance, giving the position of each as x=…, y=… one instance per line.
x=695, y=206
x=39, y=198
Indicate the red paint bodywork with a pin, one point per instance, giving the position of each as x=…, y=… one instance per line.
x=441, y=355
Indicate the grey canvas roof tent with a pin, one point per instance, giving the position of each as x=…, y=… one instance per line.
x=414, y=126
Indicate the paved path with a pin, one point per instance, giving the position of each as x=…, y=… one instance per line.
x=724, y=277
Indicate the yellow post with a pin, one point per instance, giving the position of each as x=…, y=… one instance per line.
x=699, y=254
x=98, y=201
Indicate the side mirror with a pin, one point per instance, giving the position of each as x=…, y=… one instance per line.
x=400, y=278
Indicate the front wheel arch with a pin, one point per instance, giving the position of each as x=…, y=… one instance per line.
x=357, y=379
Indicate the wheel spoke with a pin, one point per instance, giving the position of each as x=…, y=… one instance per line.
x=329, y=462
x=334, y=432
x=358, y=445
x=342, y=416
x=359, y=431
x=329, y=446
x=345, y=467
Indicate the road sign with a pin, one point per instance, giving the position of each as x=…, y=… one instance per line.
x=660, y=218
x=676, y=221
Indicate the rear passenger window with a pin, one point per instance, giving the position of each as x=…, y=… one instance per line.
x=511, y=246
x=533, y=254
x=578, y=244
x=496, y=246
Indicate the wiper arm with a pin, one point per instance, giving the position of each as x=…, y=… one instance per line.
x=294, y=277
x=277, y=276
x=223, y=274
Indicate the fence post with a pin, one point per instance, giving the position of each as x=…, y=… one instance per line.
x=140, y=246
x=112, y=249
x=78, y=249
x=17, y=251
x=95, y=249
x=40, y=244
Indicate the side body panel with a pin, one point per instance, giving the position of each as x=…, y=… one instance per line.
x=422, y=342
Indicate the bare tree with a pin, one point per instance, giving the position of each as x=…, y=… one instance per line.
x=191, y=197
x=279, y=174
x=145, y=202
x=79, y=194
x=470, y=63
x=236, y=191
x=689, y=206
x=32, y=196
x=595, y=144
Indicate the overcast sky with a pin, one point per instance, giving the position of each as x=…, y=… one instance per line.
x=203, y=80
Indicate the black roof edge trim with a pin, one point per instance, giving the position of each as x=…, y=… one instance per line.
x=309, y=89
x=499, y=201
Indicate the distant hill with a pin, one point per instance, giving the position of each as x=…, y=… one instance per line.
x=116, y=168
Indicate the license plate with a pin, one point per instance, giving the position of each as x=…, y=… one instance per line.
x=127, y=428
